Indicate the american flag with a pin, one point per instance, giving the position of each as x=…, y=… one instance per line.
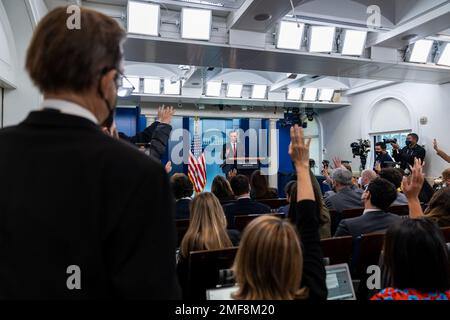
x=197, y=167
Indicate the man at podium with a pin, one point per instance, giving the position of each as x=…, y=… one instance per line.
x=232, y=151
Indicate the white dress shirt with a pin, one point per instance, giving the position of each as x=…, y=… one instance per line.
x=70, y=108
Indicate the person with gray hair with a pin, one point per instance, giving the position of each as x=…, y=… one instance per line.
x=366, y=177
x=345, y=196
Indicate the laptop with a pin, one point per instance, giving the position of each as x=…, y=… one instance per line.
x=339, y=282
x=223, y=293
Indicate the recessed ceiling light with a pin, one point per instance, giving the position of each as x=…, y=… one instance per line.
x=326, y=94
x=354, y=41
x=213, y=88
x=321, y=38
x=444, y=57
x=259, y=91
x=196, y=24
x=294, y=93
x=234, y=90
x=420, y=51
x=172, y=87
x=143, y=18
x=152, y=86
x=290, y=35
x=310, y=94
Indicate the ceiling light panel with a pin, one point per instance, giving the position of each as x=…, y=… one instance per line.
x=326, y=94
x=294, y=93
x=172, y=88
x=143, y=18
x=152, y=86
x=213, y=88
x=420, y=51
x=196, y=24
x=234, y=90
x=354, y=42
x=290, y=35
x=444, y=57
x=259, y=91
x=310, y=94
x=321, y=38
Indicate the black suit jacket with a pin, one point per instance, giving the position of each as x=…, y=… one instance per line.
x=72, y=195
x=407, y=155
x=373, y=221
x=243, y=207
x=182, y=209
x=157, y=135
x=230, y=162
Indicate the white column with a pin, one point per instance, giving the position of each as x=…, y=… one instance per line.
x=273, y=153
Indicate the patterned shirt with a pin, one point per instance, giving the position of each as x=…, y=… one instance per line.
x=409, y=294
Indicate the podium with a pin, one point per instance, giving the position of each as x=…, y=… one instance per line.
x=243, y=165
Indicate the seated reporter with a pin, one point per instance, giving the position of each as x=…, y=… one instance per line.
x=270, y=263
x=207, y=231
x=222, y=190
x=260, y=187
x=415, y=253
x=378, y=197
x=182, y=191
x=395, y=176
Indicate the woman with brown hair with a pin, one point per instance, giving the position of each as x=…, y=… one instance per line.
x=270, y=246
x=270, y=263
x=439, y=208
x=322, y=211
x=222, y=190
x=207, y=231
x=260, y=187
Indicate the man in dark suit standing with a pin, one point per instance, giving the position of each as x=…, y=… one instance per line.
x=408, y=153
x=83, y=215
x=378, y=197
x=243, y=205
x=231, y=151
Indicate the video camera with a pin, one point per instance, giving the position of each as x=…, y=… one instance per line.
x=360, y=148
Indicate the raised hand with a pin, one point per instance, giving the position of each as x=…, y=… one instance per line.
x=168, y=167
x=412, y=185
x=299, y=148
x=435, y=145
x=337, y=162
x=165, y=114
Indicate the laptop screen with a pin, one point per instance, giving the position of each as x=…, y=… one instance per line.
x=339, y=283
x=221, y=293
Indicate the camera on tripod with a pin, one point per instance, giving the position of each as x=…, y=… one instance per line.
x=361, y=149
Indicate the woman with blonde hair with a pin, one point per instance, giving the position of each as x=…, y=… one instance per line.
x=207, y=231
x=270, y=263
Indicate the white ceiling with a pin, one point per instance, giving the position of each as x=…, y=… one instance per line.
x=161, y=57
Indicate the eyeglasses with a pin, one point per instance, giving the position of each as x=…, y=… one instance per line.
x=124, y=86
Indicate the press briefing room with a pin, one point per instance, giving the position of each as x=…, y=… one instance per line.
x=241, y=151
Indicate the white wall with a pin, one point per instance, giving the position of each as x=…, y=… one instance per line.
x=20, y=101
x=7, y=51
x=345, y=125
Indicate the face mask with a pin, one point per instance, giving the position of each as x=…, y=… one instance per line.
x=360, y=181
x=378, y=153
x=408, y=143
x=111, y=109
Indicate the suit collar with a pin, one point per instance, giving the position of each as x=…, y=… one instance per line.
x=54, y=118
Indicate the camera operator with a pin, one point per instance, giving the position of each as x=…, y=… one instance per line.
x=381, y=155
x=407, y=154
